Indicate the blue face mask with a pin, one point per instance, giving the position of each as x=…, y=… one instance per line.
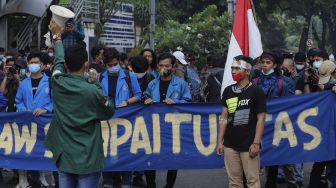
x=317, y=64
x=114, y=69
x=34, y=68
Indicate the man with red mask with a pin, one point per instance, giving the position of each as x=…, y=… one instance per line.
x=242, y=126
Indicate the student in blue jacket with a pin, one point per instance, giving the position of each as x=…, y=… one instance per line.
x=123, y=88
x=118, y=84
x=169, y=89
x=34, y=92
x=33, y=95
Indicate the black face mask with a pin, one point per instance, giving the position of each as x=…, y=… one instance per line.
x=165, y=73
x=286, y=72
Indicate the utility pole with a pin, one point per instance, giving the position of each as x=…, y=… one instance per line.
x=152, y=24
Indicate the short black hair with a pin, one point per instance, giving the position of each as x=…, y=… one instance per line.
x=247, y=59
x=2, y=50
x=95, y=51
x=45, y=58
x=216, y=61
x=154, y=62
x=110, y=54
x=312, y=52
x=123, y=56
x=22, y=52
x=10, y=59
x=139, y=64
x=167, y=56
x=76, y=56
x=34, y=55
x=21, y=63
x=300, y=57
x=323, y=54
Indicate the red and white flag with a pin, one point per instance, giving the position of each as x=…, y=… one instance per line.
x=245, y=39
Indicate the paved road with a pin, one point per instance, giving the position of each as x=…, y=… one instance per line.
x=216, y=178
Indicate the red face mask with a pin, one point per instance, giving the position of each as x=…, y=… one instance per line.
x=237, y=76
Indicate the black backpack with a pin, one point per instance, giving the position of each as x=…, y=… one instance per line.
x=212, y=87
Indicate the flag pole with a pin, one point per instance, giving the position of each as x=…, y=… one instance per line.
x=254, y=12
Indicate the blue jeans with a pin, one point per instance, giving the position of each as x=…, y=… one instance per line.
x=67, y=180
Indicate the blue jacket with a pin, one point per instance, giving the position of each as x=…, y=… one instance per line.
x=178, y=90
x=24, y=97
x=122, y=91
x=290, y=85
x=271, y=85
x=3, y=102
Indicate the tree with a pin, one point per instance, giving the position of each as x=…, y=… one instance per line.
x=205, y=33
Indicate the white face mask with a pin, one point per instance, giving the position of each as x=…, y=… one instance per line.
x=140, y=75
x=267, y=73
x=299, y=67
x=317, y=64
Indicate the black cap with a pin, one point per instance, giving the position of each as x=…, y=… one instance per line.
x=300, y=57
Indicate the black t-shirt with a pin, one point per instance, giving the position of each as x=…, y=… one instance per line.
x=35, y=83
x=112, y=85
x=144, y=81
x=163, y=89
x=99, y=68
x=243, y=109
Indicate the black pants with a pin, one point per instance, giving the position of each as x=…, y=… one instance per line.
x=150, y=178
x=271, y=177
x=315, y=175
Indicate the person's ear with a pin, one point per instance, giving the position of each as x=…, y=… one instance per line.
x=86, y=66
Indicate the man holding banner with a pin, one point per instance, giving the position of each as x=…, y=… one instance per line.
x=74, y=136
x=241, y=126
x=169, y=89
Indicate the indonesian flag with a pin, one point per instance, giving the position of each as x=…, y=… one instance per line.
x=245, y=39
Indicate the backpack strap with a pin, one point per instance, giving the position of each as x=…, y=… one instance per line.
x=49, y=82
x=279, y=87
x=216, y=79
x=100, y=77
x=129, y=83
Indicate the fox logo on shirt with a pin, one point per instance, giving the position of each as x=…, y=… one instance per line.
x=243, y=102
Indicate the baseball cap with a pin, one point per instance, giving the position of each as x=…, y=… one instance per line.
x=325, y=70
x=180, y=56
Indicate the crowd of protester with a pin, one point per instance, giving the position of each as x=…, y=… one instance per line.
x=169, y=78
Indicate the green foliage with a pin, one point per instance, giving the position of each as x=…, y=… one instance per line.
x=279, y=31
x=204, y=33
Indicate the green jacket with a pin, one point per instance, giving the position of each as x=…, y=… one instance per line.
x=74, y=136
